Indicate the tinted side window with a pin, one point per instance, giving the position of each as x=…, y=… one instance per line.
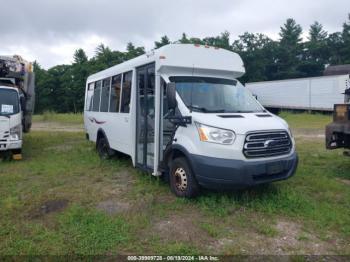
x=97, y=95
x=126, y=94
x=105, y=95
x=89, y=96
x=115, y=93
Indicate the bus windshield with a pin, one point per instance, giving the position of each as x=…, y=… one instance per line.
x=9, y=102
x=215, y=95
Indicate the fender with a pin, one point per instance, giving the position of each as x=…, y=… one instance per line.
x=168, y=155
x=101, y=133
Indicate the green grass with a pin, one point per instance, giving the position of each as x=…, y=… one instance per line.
x=59, y=118
x=63, y=165
x=306, y=120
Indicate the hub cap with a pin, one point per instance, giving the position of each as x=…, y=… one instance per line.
x=180, y=179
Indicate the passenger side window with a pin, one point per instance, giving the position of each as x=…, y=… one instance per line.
x=105, y=95
x=97, y=96
x=115, y=93
x=126, y=93
x=89, y=96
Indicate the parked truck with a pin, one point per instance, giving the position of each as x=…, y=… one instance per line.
x=17, y=96
x=312, y=93
x=338, y=132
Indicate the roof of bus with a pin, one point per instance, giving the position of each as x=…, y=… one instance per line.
x=177, y=57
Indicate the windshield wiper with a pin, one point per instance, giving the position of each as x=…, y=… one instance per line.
x=203, y=109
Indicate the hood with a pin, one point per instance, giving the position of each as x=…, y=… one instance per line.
x=241, y=123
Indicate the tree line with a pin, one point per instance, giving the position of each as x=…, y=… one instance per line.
x=61, y=88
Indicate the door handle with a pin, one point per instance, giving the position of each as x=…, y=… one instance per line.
x=126, y=119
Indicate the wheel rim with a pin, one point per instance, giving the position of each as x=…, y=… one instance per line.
x=180, y=179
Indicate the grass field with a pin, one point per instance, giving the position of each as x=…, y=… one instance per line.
x=62, y=199
x=306, y=120
x=59, y=118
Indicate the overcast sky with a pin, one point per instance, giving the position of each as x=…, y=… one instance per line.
x=50, y=30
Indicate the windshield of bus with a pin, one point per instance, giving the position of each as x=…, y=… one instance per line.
x=215, y=95
x=9, y=102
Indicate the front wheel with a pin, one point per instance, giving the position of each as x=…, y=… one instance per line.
x=182, y=180
x=103, y=149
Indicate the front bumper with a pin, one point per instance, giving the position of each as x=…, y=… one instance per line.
x=217, y=173
x=10, y=145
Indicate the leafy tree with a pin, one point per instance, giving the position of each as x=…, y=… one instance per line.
x=253, y=49
x=163, y=41
x=222, y=41
x=133, y=51
x=184, y=39
x=62, y=87
x=335, y=44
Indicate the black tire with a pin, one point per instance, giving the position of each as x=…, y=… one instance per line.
x=182, y=180
x=6, y=156
x=103, y=149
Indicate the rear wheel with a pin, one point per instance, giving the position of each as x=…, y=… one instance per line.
x=182, y=180
x=103, y=149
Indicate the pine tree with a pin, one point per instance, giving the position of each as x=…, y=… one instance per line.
x=80, y=56
x=163, y=41
x=345, y=50
x=290, y=50
x=315, y=53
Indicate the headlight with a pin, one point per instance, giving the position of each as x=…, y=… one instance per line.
x=215, y=135
x=16, y=132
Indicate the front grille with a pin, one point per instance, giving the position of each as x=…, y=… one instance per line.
x=267, y=143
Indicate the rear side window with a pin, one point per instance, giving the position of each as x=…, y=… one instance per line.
x=97, y=96
x=126, y=93
x=89, y=96
x=115, y=93
x=105, y=95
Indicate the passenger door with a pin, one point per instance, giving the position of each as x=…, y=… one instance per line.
x=145, y=120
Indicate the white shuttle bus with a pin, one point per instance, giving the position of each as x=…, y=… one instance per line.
x=179, y=111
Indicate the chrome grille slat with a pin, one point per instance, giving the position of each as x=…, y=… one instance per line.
x=268, y=143
x=265, y=136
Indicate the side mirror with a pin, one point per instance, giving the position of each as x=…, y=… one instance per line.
x=22, y=100
x=255, y=96
x=171, y=96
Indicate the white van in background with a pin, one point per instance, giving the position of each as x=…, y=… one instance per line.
x=179, y=111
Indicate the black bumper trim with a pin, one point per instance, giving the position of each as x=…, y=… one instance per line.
x=217, y=173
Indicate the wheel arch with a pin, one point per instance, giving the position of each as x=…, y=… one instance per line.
x=100, y=134
x=175, y=151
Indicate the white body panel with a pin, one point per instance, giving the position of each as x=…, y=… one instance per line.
x=6, y=123
x=314, y=93
x=179, y=60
